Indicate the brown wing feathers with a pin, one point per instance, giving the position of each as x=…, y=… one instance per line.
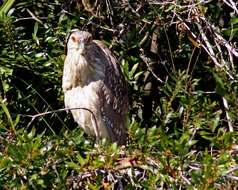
x=115, y=98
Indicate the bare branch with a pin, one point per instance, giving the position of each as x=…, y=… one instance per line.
x=35, y=18
x=225, y=103
x=146, y=60
x=220, y=38
x=60, y=110
x=232, y=5
x=186, y=180
x=171, y=55
x=179, y=6
x=208, y=47
x=231, y=170
x=232, y=177
x=89, y=22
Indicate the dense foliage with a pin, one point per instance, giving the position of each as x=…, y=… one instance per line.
x=179, y=59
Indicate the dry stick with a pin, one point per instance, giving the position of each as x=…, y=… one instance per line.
x=231, y=5
x=60, y=110
x=225, y=103
x=145, y=59
x=135, y=12
x=187, y=70
x=221, y=54
x=232, y=177
x=188, y=29
x=230, y=171
x=30, y=18
x=171, y=55
x=89, y=22
x=144, y=39
x=195, y=63
x=179, y=6
x=35, y=18
x=231, y=60
x=110, y=12
x=185, y=179
x=209, y=49
x=117, y=180
x=231, y=50
x=220, y=38
x=212, y=54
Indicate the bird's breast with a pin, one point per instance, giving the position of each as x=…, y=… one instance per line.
x=79, y=71
x=85, y=97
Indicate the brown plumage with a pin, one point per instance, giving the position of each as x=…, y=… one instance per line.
x=92, y=79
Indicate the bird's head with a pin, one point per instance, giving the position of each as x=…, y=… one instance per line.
x=79, y=41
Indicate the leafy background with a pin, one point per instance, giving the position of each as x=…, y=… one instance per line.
x=179, y=59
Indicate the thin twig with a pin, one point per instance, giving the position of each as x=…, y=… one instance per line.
x=209, y=49
x=186, y=180
x=232, y=177
x=220, y=38
x=225, y=103
x=232, y=5
x=89, y=22
x=118, y=180
x=179, y=6
x=171, y=55
x=231, y=170
x=145, y=59
x=187, y=70
x=35, y=18
x=30, y=18
x=60, y=110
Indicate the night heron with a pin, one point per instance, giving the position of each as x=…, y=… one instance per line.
x=92, y=79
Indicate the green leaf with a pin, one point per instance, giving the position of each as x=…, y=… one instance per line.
x=4, y=107
x=138, y=74
x=81, y=160
x=36, y=26
x=6, y=6
x=168, y=118
x=133, y=70
x=73, y=165
x=170, y=8
x=234, y=20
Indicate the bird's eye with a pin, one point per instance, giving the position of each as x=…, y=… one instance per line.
x=89, y=39
x=73, y=39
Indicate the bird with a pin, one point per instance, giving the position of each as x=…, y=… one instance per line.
x=93, y=80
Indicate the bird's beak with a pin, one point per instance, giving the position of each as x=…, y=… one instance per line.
x=82, y=47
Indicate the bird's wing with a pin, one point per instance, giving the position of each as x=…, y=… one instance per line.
x=114, y=96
